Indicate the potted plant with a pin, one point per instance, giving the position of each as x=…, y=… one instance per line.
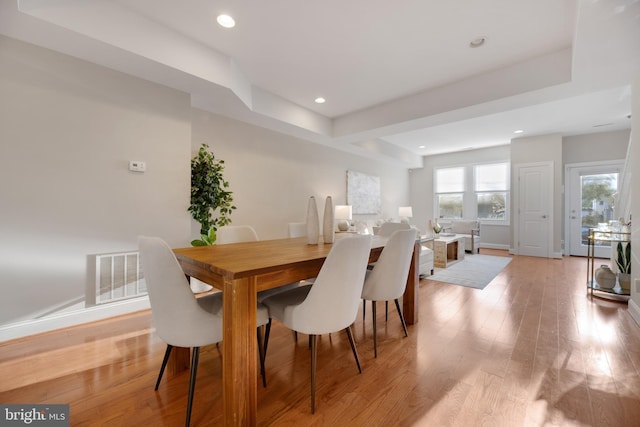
x=623, y=261
x=437, y=228
x=211, y=201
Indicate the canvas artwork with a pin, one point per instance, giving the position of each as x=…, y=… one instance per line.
x=363, y=193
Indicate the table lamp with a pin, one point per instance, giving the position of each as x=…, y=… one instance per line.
x=343, y=215
x=405, y=212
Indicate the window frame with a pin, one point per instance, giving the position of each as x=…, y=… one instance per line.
x=470, y=197
x=506, y=191
x=436, y=194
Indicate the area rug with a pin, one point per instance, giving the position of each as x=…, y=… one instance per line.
x=474, y=271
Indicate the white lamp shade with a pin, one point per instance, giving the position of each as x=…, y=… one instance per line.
x=405, y=212
x=343, y=212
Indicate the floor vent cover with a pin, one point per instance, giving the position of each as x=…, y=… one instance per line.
x=118, y=277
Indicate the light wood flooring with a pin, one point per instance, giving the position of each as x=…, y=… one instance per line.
x=531, y=349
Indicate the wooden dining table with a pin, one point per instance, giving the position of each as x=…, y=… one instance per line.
x=240, y=270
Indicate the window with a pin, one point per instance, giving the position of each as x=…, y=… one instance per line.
x=450, y=206
x=473, y=191
x=491, y=183
x=450, y=192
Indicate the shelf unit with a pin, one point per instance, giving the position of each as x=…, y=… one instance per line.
x=613, y=237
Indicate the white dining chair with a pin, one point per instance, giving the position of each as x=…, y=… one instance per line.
x=181, y=319
x=246, y=233
x=386, y=230
x=297, y=229
x=388, y=279
x=235, y=233
x=331, y=303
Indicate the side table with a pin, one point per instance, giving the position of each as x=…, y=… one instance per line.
x=448, y=250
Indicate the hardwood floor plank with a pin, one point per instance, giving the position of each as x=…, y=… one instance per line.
x=531, y=349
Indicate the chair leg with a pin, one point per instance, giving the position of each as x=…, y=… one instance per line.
x=364, y=308
x=404, y=325
x=375, y=329
x=386, y=311
x=353, y=347
x=314, y=356
x=261, y=355
x=167, y=352
x=267, y=334
x=192, y=382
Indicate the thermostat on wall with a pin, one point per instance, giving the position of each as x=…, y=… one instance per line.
x=137, y=166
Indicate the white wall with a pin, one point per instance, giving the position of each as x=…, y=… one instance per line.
x=273, y=175
x=67, y=131
x=595, y=147
x=421, y=189
x=634, y=303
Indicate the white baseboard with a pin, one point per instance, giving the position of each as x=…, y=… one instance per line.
x=557, y=255
x=64, y=320
x=494, y=246
x=634, y=311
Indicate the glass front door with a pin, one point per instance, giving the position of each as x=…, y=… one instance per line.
x=592, y=198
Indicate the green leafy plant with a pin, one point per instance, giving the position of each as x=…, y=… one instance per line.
x=211, y=201
x=206, y=239
x=623, y=261
x=437, y=228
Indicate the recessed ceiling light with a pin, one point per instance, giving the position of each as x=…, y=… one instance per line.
x=518, y=131
x=320, y=100
x=421, y=146
x=226, y=21
x=477, y=42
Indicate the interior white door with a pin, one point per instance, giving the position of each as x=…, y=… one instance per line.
x=590, y=188
x=534, y=207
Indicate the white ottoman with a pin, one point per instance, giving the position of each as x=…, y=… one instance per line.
x=426, y=261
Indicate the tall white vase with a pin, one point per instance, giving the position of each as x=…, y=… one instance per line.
x=313, y=223
x=328, y=221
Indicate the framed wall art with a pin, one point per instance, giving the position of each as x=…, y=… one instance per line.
x=363, y=193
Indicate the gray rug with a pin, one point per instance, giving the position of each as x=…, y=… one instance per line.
x=474, y=271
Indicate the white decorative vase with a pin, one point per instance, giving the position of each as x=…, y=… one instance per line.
x=328, y=221
x=313, y=223
x=605, y=278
